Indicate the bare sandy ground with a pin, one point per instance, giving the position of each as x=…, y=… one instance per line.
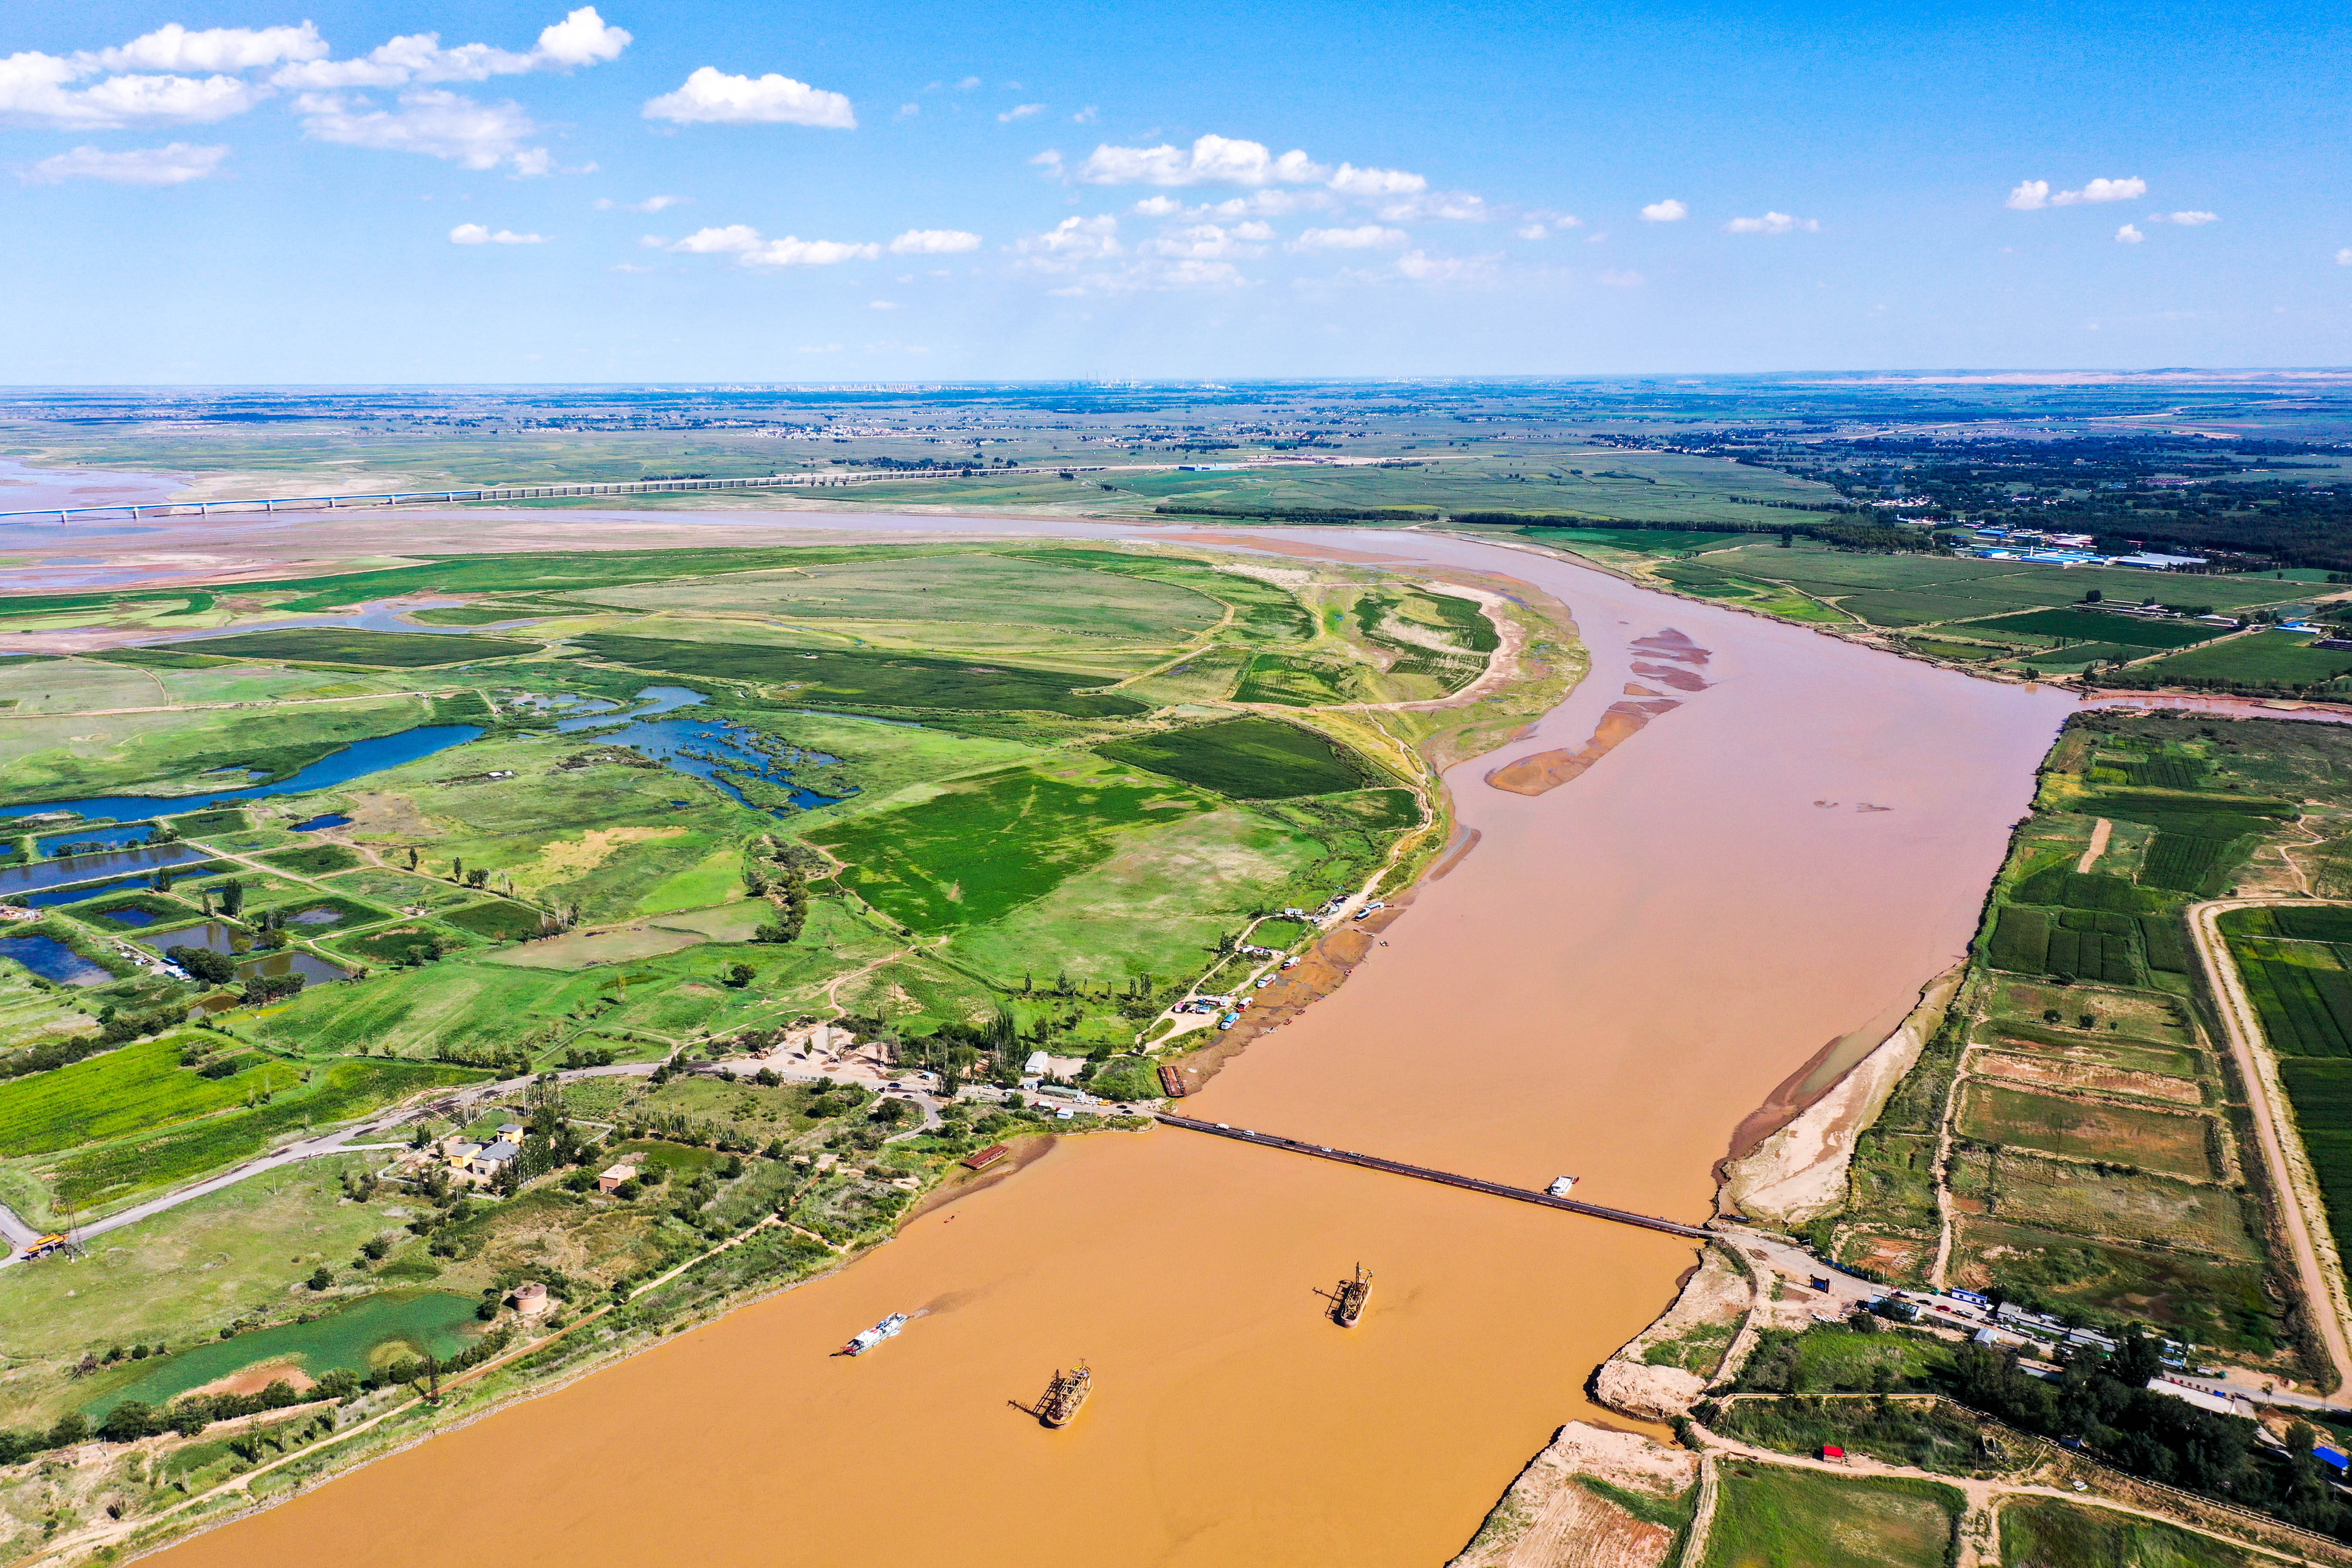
x=1547, y=1520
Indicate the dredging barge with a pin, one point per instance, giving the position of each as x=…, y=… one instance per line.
x=1348, y=1305
x=1065, y=1394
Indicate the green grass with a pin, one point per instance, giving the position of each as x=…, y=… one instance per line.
x=2303, y=992
x=346, y=644
x=2097, y=626
x=2284, y=658
x=126, y=1091
x=158, y=659
x=354, y=1337
x=1249, y=758
x=1767, y=1516
x=313, y=859
x=2321, y=1093
x=498, y=919
x=980, y=848
x=223, y=819
x=2153, y=1140
x=394, y=945
x=472, y=615
x=2211, y=1301
x=326, y=913
x=2045, y=1532
x=106, y=913
x=337, y=1093
x=1295, y=681
x=834, y=676
x=1931, y=1438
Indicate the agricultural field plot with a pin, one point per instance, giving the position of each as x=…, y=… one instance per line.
x=914, y=863
x=2202, y=1300
x=2099, y=627
x=405, y=942
x=2261, y=658
x=1248, y=758
x=2088, y=1130
x=103, y=1175
x=2106, y=1203
x=1301, y=681
x=2040, y=1071
x=396, y=889
x=345, y=645
x=2301, y=989
x=1041, y=601
x=1769, y=1516
x=117, y=1093
x=2320, y=1091
x=313, y=859
x=2045, y=1533
x=830, y=677
x=1915, y=590
x=30, y=1011
x=311, y=914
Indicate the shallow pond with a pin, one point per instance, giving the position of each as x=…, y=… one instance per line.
x=15, y=879
x=52, y=960
x=331, y=819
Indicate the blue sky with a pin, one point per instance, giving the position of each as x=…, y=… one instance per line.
x=282, y=191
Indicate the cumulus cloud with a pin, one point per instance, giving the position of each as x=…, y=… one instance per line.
x=1667, y=211
x=1351, y=181
x=1209, y=242
x=2186, y=220
x=2344, y=256
x=1211, y=160
x=581, y=38
x=1020, y=111
x=174, y=165
x=650, y=205
x=172, y=47
x=431, y=120
x=475, y=234
x=1772, y=223
x=1366, y=236
x=1152, y=273
x=1423, y=268
x=934, y=242
x=744, y=243
x=1075, y=239
x=35, y=91
x=2128, y=235
x=1158, y=206
x=1086, y=116
x=711, y=96
x=2031, y=195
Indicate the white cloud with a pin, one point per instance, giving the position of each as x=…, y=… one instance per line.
x=581, y=38
x=1020, y=111
x=1158, y=206
x=817, y=348
x=1771, y=223
x=744, y=243
x=33, y=91
x=174, y=165
x=2344, y=256
x=2186, y=220
x=172, y=47
x=627, y=266
x=1368, y=236
x=1207, y=242
x=882, y=304
x=1617, y=279
x=712, y=97
x=908, y=110
x=1667, y=211
x=475, y=234
x=2031, y=195
x=650, y=205
x=1075, y=239
x=2127, y=190
x=1533, y=231
x=1086, y=116
x=431, y=120
x=1423, y=268
x=967, y=84
x=1155, y=274
x=2128, y=235
x=1351, y=181
x=1458, y=205
x=934, y=242
x=1212, y=159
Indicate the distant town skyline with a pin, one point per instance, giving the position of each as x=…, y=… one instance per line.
x=234, y=190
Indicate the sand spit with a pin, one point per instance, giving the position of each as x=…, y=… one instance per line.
x=1799, y=1171
x=1548, y=1520
x=1546, y=771
x=1691, y=1339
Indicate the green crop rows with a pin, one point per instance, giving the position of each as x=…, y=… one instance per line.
x=1249, y=758
x=392, y=650
x=869, y=680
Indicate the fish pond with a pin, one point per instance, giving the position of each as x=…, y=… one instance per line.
x=355, y=761
x=52, y=960
x=369, y=1332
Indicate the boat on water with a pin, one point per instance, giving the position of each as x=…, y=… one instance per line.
x=1347, y=1306
x=1562, y=1186
x=886, y=1328
x=1065, y=1394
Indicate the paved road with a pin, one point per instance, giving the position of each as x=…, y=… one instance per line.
x=2243, y=1026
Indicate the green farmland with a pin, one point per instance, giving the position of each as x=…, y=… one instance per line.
x=1248, y=758
x=392, y=650
x=2263, y=659
x=866, y=679
x=1771, y=1516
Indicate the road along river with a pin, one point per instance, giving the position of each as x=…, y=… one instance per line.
x=1622, y=969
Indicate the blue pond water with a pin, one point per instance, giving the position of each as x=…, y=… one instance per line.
x=52, y=960
x=111, y=836
x=352, y=761
x=215, y=936
x=701, y=747
x=331, y=819
x=78, y=891
x=35, y=875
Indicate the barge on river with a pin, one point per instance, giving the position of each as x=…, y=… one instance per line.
x=1065, y=1394
x=1348, y=1305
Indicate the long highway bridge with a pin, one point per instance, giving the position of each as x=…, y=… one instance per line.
x=1446, y=1178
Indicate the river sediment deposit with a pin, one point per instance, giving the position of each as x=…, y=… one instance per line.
x=1623, y=967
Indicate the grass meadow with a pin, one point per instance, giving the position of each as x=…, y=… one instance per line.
x=1771, y=1516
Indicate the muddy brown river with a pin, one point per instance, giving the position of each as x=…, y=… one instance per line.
x=1622, y=969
